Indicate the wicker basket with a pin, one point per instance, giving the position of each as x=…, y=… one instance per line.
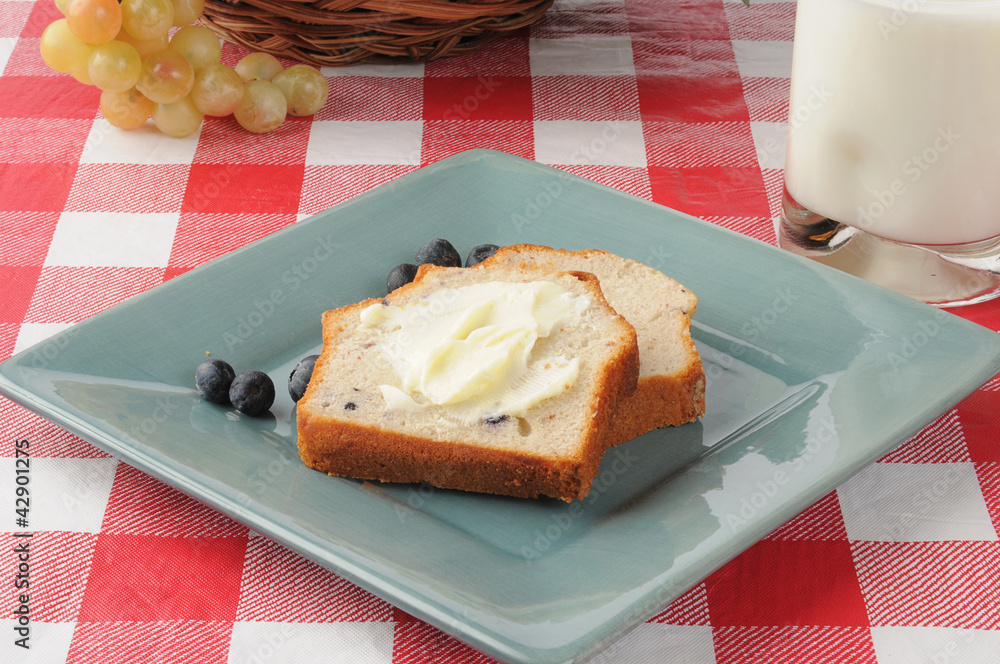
x=332, y=33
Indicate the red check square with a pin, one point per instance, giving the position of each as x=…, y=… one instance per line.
x=442, y=139
x=42, y=139
x=180, y=578
x=930, y=584
x=243, y=188
x=26, y=59
x=802, y=645
x=696, y=19
x=307, y=593
x=174, y=641
x=988, y=475
x=325, y=186
x=823, y=520
x=683, y=144
x=479, y=98
x=70, y=294
x=26, y=236
x=48, y=97
x=761, y=21
x=788, y=582
x=42, y=14
x=707, y=191
x=978, y=415
x=597, y=18
x=18, y=288
x=767, y=98
x=131, y=188
x=223, y=141
x=58, y=564
x=201, y=237
x=50, y=185
x=507, y=56
x=682, y=98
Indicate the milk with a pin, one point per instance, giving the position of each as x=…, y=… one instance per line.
x=895, y=117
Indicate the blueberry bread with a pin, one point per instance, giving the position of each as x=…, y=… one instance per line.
x=497, y=379
x=671, y=387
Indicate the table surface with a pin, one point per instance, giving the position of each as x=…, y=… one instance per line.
x=694, y=95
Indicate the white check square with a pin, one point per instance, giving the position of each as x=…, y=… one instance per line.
x=915, y=502
x=6, y=48
x=112, y=239
x=575, y=56
x=33, y=333
x=772, y=59
x=64, y=493
x=107, y=144
x=770, y=139
x=936, y=644
x=48, y=642
x=664, y=644
x=344, y=143
x=570, y=142
x=293, y=643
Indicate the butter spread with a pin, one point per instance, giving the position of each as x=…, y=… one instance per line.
x=470, y=348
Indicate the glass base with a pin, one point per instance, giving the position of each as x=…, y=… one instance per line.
x=945, y=276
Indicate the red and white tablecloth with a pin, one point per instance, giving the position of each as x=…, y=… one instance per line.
x=680, y=101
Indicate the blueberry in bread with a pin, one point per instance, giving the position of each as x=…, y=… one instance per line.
x=497, y=379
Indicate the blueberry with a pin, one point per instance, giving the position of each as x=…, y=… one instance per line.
x=213, y=378
x=252, y=393
x=439, y=252
x=298, y=381
x=350, y=405
x=480, y=253
x=400, y=276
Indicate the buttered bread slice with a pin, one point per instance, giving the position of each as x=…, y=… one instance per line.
x=671, y=388
x=498, y=379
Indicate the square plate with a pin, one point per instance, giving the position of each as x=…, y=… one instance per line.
x=812, y=374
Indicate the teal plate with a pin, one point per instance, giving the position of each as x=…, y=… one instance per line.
x=811, y=375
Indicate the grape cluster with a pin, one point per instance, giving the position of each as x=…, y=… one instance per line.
x=125, y=49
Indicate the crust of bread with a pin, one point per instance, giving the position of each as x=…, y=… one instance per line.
x=340, y=447
x=659, y=400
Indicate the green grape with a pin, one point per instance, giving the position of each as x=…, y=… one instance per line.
x=114, y=66
x=218, y=90
x=62, y=50
x=94, y=21
x=144, y=48
x=166, y=77
x=147, y=19
x=179, y=119
x=61, y=6
x=304, y=87
x=258, y=67
x=126, y=110
x=263, y=107
x=198, y=44
x=187, y=12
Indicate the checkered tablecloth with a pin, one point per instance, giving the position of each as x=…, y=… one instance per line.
x=682, y=102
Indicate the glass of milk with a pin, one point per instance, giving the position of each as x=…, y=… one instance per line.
x=892, y=168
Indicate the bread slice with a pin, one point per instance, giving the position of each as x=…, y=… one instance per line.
x=671, y=388
x=347, y=428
